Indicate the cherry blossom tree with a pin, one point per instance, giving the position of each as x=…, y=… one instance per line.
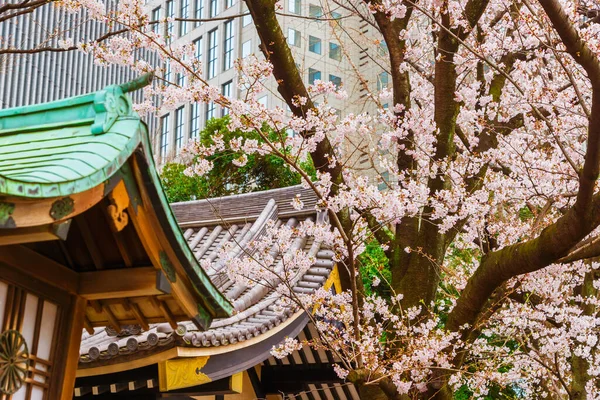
x=490, y=223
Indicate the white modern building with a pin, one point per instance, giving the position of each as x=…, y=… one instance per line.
x=327, y=44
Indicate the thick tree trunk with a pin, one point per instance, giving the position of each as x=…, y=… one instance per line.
x=579, y=365
x=371, y=393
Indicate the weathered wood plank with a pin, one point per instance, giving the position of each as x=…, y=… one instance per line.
x=119, y=283
x=40, y=267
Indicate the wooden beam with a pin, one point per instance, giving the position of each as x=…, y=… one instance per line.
x=35, y=212
x=165, y=310
x=90, y=242
x=88, y=325
x=105, y=309
x=137, y=313
x=119, y=283
x=40, y=233
x=40, y=267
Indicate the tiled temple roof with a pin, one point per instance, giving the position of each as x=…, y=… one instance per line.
x=208, y=225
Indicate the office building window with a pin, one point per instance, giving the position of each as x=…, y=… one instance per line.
x=336, y=80
x=314, y=44
x=315, y=11
x=214, y=8
x=293, y=38
x=210, y=110
x=226, y=91
x=382, y=80
x=170, y=25
x=383, y=49
x=384, y=180
x=167, y=72
x=294, y=7
x=313, y=75
x=247, y=18
x=264, y=101
x=337, y=16
x=199, y=50
x=164, y=136
x=179, y=128
x=246, y=48
x=228, y=46
x=156, y=19
x=229, y=3
x=195, y=120
x=335, y=51
x=185, y=14
x=199, y=11
x=181, y=79
x=212, y=54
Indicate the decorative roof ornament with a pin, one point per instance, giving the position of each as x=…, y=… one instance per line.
x=112, y=103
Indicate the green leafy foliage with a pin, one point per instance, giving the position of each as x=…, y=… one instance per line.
x=261, y=172
x=375, y=264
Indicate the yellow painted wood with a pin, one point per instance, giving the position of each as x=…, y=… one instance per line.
x=334, y=280
x=119, y=200
x=182, y=373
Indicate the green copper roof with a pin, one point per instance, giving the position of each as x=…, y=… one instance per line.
x=67, y=146
x=72, y=145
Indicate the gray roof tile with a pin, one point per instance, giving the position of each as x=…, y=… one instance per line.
x=208, y=225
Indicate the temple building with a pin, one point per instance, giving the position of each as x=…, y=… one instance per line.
x=87, y=239
x=106, y=291
x=231, y=360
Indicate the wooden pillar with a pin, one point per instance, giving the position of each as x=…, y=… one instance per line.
x=68, y=349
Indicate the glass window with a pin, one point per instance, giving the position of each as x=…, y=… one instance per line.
x=212, y=54
x=210, y=110
x=185, y=14
x=314, y=44
x=228, y=46
x=337, y=16
x=246, y=48
x=167, y=72
x=199, y=43
x=179, y=128
x=294, y=7
x=156, y=19
x=383, y=181
x=383, y=49
x=313, y=75
x=170, y=14
x=199, y=11
x=336, y=80
x=315, y=11
x=164, y=136
x=181, y=79
x=247, y=18
x=229, y=3
x=195, y=121
x=226, y=91
x=382, y=80
x=214, y=8
x=335, y=51
x=264, y=101
x=293, y=38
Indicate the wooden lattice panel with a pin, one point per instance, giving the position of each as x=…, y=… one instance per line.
x=28, y=334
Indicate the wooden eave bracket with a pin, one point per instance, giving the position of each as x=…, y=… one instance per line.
x=41, y=233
